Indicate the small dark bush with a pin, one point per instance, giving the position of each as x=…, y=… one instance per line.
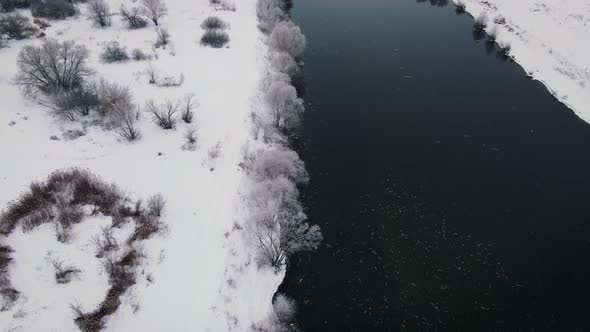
x=162, y=38
x=55, y=9
x=213, y=22
x=480, y=22
x=188, y=105
x=215, y=38
x=16, y=26
x=133, y=18
x=42, y=24
x=99, y=12
x=145, y=226
x=139, y=55
x=64, y=273
x=459, y=6
x=113, y=52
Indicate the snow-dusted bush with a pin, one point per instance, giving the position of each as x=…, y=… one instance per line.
x=480, y=22
x=190, y=137
x=286, y=107
x=170, y=81
x=282, y=317
x=126, y=123
x=104, y=242
x=113, y=52
x=459, y=6
x=139, y=55
x=270, y=12
x=213, y=22
x=287, y=37
x=188, y=105
x=112, y=97
x=276, y=162
x=42, y=24
x=154, y=10
x=493, y=34
x=16, y=26
x=162, y=38
x=164, y=115
x=132, y=17
x=100, y=13
x=156, y=204
x=228, y=5
x=284, y=63
x=3, y=41
x=52, y=66
x=55, y=9
x=63, y=272
x=215, y=38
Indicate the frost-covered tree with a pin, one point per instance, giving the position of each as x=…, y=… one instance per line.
x=286, y=108
x=284, y=63
x=154, y=10
x=287, y=37
x=277, y=162
x=270, y=12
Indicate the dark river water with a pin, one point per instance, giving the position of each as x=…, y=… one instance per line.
x=452, y=191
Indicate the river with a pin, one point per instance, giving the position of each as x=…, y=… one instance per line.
x=451, y=189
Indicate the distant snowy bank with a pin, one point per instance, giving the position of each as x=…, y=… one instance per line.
x=549, y=39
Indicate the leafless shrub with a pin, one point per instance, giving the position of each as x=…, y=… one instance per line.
x=132, y=17
x=112, y=98
x=154, y=10
x=113, y=52
x=52, y=66
x=55, y=9
x=105, y=242
x=139, y=55
x=162, y=38
x=287, y=37
x=286, y=107
x=170, y=81
x=152, y=74
x=156, y=204
x=16, y=26
x=215, y=38
x=188, y=105
x=145, y=227
x=127, y=123
x=64, y=273
x=213, y=22
x=190, y=137
x=163, y=114
x=99, y=12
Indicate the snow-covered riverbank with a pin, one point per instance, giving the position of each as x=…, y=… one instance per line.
x=188, y=273
x=549, y=39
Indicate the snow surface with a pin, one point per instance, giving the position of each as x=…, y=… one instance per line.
x=202, y=272
x=550, y=40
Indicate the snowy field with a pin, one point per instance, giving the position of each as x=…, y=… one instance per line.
x=196, y=275
x=550, y=39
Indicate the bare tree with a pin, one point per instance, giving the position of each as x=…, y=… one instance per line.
x=52, y=66
x=286, y=107
x=287, y=37
x=154, y=10
x=99, y=12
